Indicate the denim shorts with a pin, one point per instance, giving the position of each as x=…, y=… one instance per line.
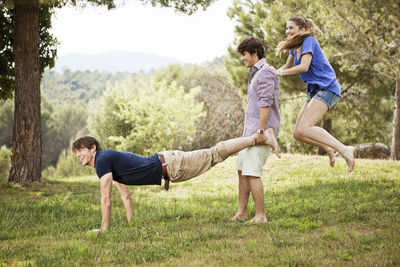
x=328, y=97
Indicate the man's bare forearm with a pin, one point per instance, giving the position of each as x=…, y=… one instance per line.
x=105, y=212
x=105, y=202
x=262, y=122
x=127, y=200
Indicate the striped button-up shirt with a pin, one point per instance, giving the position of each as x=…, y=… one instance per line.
x=263, y=91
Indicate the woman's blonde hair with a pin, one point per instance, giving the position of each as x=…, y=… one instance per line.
x=297, y=39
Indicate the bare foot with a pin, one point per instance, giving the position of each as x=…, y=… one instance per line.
x=259, y=219
x=239, y=217
x=348, y=155
x=331, y=155
x=272, y=142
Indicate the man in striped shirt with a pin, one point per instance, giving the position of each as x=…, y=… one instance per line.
x=262, y=115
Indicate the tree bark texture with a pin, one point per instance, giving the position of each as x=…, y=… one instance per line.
x=395, y=149
x=327, y=125
x=27, y=144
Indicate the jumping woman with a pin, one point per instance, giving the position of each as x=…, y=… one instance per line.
x=307, y=59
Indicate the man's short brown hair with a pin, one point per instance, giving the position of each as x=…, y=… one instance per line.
x=252, y=45
x=86, y=142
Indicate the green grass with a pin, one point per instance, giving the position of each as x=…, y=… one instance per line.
x=318, y=215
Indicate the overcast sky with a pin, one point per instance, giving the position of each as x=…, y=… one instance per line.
x=143, y=28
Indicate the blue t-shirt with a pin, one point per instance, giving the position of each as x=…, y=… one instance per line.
x=129, y=168
x=320, y=72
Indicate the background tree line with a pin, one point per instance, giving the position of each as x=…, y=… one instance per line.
x=135, y=112
x=177, y=107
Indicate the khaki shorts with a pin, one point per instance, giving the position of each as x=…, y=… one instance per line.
x=182, y=166
x=251, y=160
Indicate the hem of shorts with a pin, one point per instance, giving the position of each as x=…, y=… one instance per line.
x=322, y=100
x=252, y=174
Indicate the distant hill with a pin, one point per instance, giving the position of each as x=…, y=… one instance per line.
x=113, y=62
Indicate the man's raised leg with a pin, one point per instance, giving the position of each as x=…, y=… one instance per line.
x=199, y=161
x=237, y=144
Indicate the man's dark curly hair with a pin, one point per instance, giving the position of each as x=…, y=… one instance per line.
x=86, y=142
x=252, y=45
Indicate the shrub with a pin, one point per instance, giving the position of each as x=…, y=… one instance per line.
x=5, y=163
x=69, y=165
x=146, y=118
x=222, y=103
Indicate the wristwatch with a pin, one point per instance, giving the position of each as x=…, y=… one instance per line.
x=281, y=72
x=260, y=131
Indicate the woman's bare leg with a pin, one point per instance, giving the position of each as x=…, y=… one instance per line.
x=330, y=151
x=306, y=130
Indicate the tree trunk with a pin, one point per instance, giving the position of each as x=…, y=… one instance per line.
x=395, y=149
x=27, y=143
x=327, y=125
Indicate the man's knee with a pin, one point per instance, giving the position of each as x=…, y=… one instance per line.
x=298, y=133
x=221, y=151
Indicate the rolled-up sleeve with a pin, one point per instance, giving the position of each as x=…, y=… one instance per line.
x=266, y=86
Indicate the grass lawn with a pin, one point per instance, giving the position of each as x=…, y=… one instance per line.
x=318, y=215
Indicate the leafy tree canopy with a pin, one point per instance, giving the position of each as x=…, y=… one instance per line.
x=47, y=47
x=145, y=117
x=222, y=102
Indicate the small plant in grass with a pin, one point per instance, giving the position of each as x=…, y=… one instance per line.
x=345, y=257
x=330, y=235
